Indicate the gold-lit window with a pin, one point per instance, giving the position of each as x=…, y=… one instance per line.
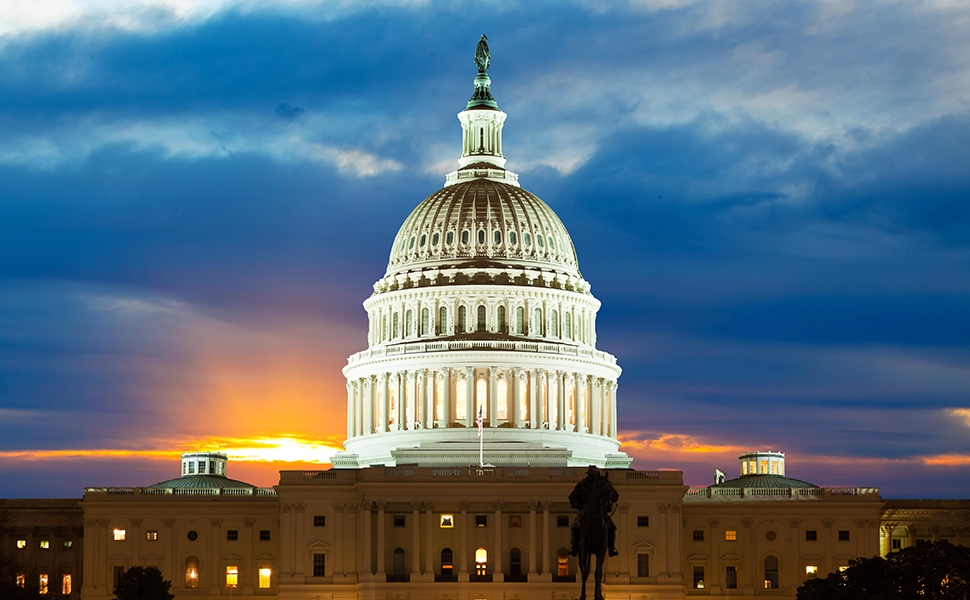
x=764, y=466
x=119, y=534
x=191, y=573
x=730, y=535
x=151, y=535
x=66, y=585
x=43, y=583
x=843, y=568
x=481, y=562
x=21, y=580
x=562, y=563
x=264, y=576
x=811, y=570
x=232, y=576
x=21, y=544
x=447, y=521
x=502, y=398
x=45, y=544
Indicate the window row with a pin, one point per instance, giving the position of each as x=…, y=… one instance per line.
x=568, y=325
x=151, y=535
x=424, y=241
x=731, y=535
x=263, y=574
x=203, y=467
x=44, y=583
x=43, y=544
x=483, y=569
x=769, y=569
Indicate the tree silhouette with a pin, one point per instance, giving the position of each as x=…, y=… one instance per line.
x=140, y=583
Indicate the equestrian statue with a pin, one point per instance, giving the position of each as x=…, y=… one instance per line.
x=593, y=531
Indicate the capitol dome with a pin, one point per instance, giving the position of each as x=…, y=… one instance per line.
x=482, y=331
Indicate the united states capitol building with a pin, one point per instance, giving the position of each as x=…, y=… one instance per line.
x=481, y=313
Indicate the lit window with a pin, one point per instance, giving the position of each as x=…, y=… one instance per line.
x=843, y=568
x=151, y=535
x=119, y=535
x=502, y=398
x=744, y=468
x=774, y=468
x=763, y=466
x=843, y=535
x=730, y=535
x=523, y=400
x=461, y=391
x=68, y=543
x=447, y=521
x=191, y=572
x=771, y=573
x=264, y=576
x=699, y=577
x=320, y=562
x=43, y=583
x=562, y=563
x=697, y=535
x=481, y=561
x=45, y=544
x=66, y=585
x=21, y=543
x=481, y=398
x=21, y=580
x=811, y=570
x=232, y=576
x=643, y=521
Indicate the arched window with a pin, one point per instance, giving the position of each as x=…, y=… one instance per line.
x=566, y=326
x=394, y=329
x=450, y=238
x=464, y=236
x=537, y=326
x=398, y=566
x=447, y=562
x=435, y=238
x=411, y=243
x=515, y=562
x=442, y=320
x=538, y=240
x=481, y=318
x=771, y=572
x=523, y=400
x=425, y=321
x=424, y=238
x=519, y=320
x=512, y=238
x=481, y=398
x=502, y=328
x=461, y=395
x=552, y=245
x=192, y=572
x=439, y=401
x=497, y=236
x=408, y=331
x=555, y=324
x=527, y=238
x=481, y=236
x=461, y=326
x=481, y=562
x=502, y=394
x=562, y=562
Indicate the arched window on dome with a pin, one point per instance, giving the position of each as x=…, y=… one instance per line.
x=411, y=243
x=461, y=325
x=481, y=237
x=395, y=327
x=461, y=395
x=537, y=325
x=512, y=238
x=555, y=323
x=519, y=320
x=384, y=327
x=502, y=397
x=481, y=398
x=500, y=317
x=464, y=236
x=567, y=325
x=424, y=238
x=408, y=330
x=527, y=238
x=482, y=318
x=435, y=238
x=552, y=245
x=538, y=240
x=425, y=321
x=450, y=238
x=523, y=400
x=497, y=236
x=442, y=320
x=571, y=404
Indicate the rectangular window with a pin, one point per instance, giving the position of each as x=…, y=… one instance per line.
x=68, y=543
x=43, y=583
x=843, y=535
x=232, y=576
x=897, y=544
x=447, y=521
x=697, y=535
x=66, y=585
x=264, y=576
x=515, y=521
x=319, y=564
x=731, y=578
x=481, y=520
x=643, y=565
x=643, y=521
x=202, y=467
x=151, y=535
x=699, y=577
x=399, y=521
x=21, y=580
x=192, y=468
x=264, y=535
x=119, y=535
x=811, y=571
x=117, y=571
x=730, y=535
x=842, y=568
x=811, y=535
x=45, y=544
x=21, y=544
x=562, y=520
x=319, y=520
x=232, y=535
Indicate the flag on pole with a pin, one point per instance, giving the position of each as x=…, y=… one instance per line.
x=479, y=421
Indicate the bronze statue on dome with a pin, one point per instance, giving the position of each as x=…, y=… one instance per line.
x=482, y=56
x=593, y=531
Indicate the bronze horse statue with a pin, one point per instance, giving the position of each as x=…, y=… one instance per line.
x=593, y=531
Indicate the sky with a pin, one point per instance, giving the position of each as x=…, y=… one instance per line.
x=771, y=199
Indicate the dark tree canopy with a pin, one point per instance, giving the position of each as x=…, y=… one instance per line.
x=936, y=571
x=141, y=583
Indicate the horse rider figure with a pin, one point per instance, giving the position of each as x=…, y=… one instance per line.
x=596, y=488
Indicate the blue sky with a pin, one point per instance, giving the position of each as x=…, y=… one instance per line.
x=771, y=200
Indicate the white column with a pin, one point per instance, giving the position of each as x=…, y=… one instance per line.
x=385, y=401
x=613, y=422
x=543, y=392
x=427, y=396
x=561, y=417
x=446, y=397
x=399, y=390
x=470, y=409
x=492, y=398
x=577, y=401
x=359, y=405
x=514, y=417
x=533, y=398
x=369, y=406
x=350, y=411
x=595, y=406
